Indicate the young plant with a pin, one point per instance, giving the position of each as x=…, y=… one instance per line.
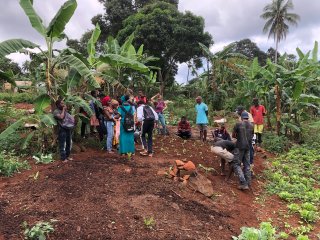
x=39, y=231
x=45, y=159
x=206, y=169
x=149, y=222
x=10, y=164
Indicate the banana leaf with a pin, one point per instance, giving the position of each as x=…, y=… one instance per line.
x=12, y=128
x=14, y=45
x=48, y=120
x=118, y=60
x=41, y=103
x=60, y=20
x=34, y=19
x=91, y=44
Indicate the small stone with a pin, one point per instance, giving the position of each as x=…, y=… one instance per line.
x=78, y=229
x=220, y=228
x=161, y=172
x=175, y=206
x=128, y=170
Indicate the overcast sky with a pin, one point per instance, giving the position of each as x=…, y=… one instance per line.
x=226, y=20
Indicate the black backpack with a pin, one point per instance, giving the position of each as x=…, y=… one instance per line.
x=128, y=123
x=148, y=113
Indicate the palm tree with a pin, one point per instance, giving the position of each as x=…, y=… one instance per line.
x=278, y=20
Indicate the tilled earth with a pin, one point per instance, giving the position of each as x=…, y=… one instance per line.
x=101, y=196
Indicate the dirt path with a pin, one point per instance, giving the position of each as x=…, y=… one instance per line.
x=100, y=196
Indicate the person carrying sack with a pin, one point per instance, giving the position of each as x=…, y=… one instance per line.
x=147, y=116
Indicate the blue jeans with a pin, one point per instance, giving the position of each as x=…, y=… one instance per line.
x=162, y=121
x=64, y=139
x=242, y=157
x=109, y=127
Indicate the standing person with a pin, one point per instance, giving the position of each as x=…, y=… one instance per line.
x=240, y=110
x=84, y=122
x=66, y=124
x=258, y=111
x=109, y=116
x=184, y=128
x=202, y=118
x=160, y=107
x=147, y=117
x=94, y=121
x=141, y=97
x=115, y=105
x=126, y=127
x=243, y=132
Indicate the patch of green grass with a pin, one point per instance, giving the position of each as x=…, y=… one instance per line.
x=39, y=231
x=17, y=97
x=293, y=177
x=10, y=164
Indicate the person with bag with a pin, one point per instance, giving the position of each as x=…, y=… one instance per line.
x=147, y=117
x=160, y=107
x=243, y=132
x=126, y=141
x=66, y=124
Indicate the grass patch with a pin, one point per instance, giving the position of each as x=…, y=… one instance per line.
x=10, y=164
x=17, y=97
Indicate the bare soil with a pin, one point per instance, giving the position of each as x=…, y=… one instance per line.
x=105, y=196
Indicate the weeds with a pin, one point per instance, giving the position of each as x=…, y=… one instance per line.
x=39, y=231
x=149, y=222
x=43, y=158
x=9, y=164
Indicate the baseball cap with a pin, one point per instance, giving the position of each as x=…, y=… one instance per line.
x=244, y=115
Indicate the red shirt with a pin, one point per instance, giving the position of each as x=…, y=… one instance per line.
x=141, y=98
x=184, y=126
x=257, y=114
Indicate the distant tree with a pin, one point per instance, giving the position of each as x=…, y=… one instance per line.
x=250, y=50
x=272, y=54
x=7, y=64
x=278, y=20
x=167, y=34
x=80, y=45
x=277, y=24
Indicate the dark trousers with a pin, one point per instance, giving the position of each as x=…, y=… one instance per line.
x=186, y=134
x=259, y=138
x=64, y=138
x=251, y=154
x=83, y=129
x=147, y=128
x=242, y=156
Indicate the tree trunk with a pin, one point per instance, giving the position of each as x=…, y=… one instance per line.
x=278, y=94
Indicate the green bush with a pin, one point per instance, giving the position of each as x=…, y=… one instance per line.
x=17, y=97
x=274, y=143
x=9, y=164
x=265, y=232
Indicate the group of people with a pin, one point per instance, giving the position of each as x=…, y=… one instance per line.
x=122, y=121
x=126, y=120
x=240, y=153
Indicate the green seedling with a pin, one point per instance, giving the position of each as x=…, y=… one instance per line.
x=39, y=231
x=149, y=222
x=44, y=159
x=206, y=169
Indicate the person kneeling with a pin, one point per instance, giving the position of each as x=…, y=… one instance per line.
x=184, y=128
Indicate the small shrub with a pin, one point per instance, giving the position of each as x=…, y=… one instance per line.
x=9, y=164
x=265, y=232
x=274, y=143
x=39, y=231
x=18, y=97
x=43, y=158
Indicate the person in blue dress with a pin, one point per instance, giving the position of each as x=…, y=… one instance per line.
x=202, y=118
x=126, y=140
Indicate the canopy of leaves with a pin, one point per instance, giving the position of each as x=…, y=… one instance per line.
x=167, y=33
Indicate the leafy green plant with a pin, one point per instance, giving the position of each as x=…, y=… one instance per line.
x=39, y=231
x=301, y=237
x=43, y=158
x=149, y=222
x=274, y=143
x=308, y=216
x=265, y=232
x=9, y=164
x=17, y=97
